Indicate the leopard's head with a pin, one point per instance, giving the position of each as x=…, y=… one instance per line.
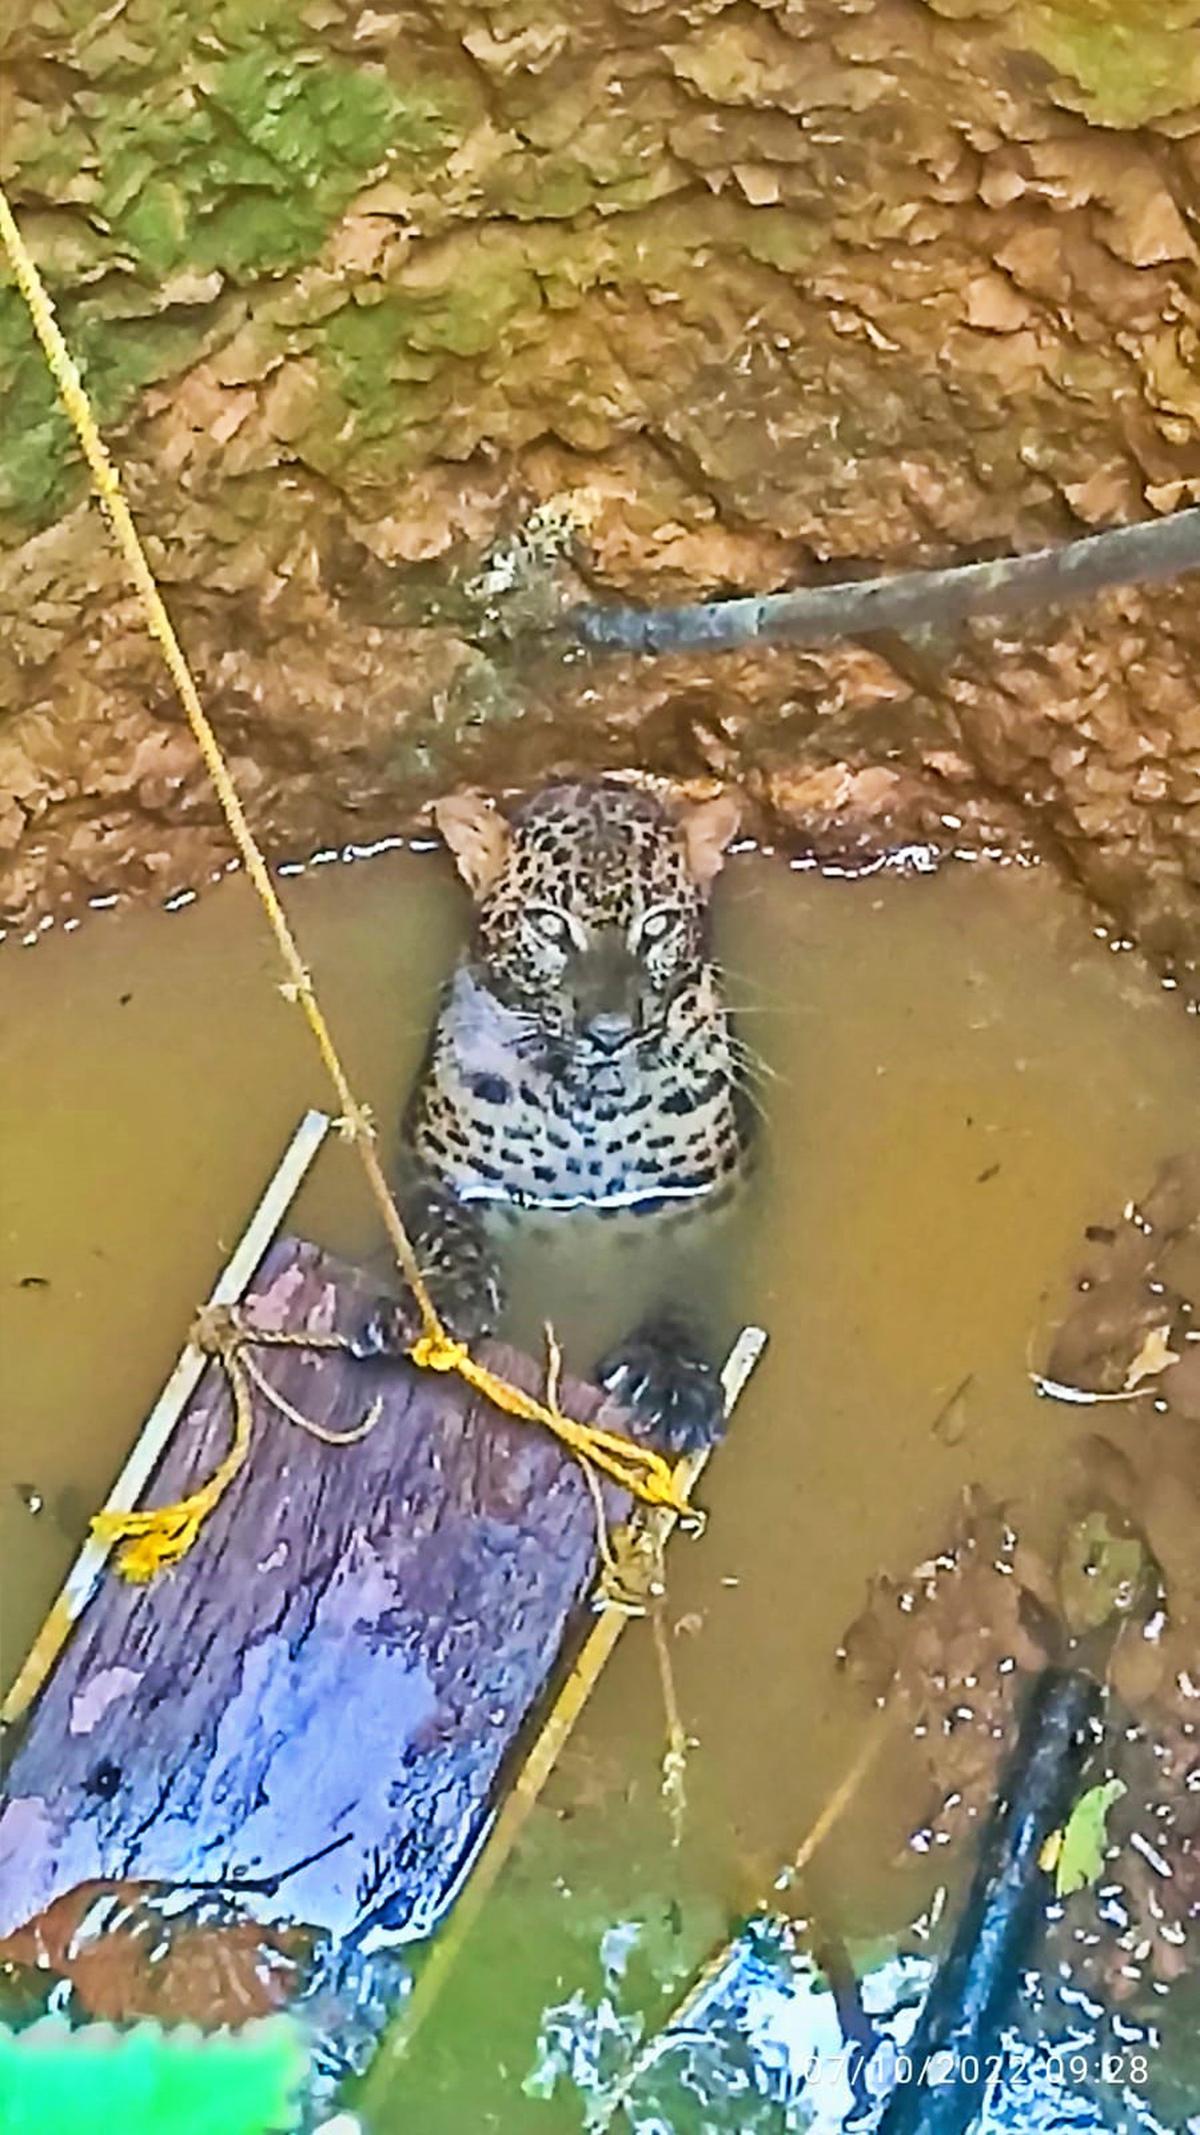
x=591, y=913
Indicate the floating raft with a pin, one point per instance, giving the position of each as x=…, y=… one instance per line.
x=316, y=1705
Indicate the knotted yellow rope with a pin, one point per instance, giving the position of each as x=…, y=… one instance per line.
x=150, y=1541
x=164, y=1535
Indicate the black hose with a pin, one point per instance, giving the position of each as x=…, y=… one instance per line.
x=974, y=1986
x=906, y=600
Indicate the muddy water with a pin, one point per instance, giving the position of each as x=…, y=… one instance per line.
x=959, y=1076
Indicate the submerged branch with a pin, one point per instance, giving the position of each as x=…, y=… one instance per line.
x=1125, y=555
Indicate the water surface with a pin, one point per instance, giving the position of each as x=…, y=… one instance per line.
x=961, y=1075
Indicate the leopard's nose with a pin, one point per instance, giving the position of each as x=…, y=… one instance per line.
x=610, y=1031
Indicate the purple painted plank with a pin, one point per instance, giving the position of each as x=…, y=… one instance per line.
x=338, y=1667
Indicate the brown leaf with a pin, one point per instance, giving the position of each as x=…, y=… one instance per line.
x=215, y=1974
x=47, y=1938
x=129, y=1952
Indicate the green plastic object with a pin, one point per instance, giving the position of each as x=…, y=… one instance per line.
x=98, y=2079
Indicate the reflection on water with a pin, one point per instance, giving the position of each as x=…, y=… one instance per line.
x=766, y=2048
x=959, y=1074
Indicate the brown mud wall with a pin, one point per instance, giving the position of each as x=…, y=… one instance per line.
x=405, y=319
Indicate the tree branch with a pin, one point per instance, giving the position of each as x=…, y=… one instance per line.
x=815, y=615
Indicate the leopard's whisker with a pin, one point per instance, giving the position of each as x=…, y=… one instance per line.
x=751, y=1097
x=752, y=1062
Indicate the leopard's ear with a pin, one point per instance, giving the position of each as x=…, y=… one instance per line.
x=707, y=830
x=477, y=835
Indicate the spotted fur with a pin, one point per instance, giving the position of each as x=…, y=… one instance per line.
x=582, y=1058
x=583, y=1055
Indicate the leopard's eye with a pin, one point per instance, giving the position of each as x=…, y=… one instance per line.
x=658, y=924
x=554, y=927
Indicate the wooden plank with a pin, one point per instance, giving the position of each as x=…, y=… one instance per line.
x=80, y=1582
x=321, y=1695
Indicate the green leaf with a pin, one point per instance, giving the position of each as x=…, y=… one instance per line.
x=1081, y=1854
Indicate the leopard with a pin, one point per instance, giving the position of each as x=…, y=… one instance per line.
x=583, y=1057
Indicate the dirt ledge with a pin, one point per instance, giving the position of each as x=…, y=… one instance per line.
x=739, y=295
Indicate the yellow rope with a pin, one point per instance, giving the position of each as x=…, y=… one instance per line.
x=640, y=1470
x=352, y=1437
x=150, y=1541
x=675, y=1756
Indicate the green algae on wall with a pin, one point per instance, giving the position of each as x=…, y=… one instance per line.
x=1134, y=61
x=181, y=171
x=38, y=471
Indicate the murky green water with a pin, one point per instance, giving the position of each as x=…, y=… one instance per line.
x=961, y=1077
